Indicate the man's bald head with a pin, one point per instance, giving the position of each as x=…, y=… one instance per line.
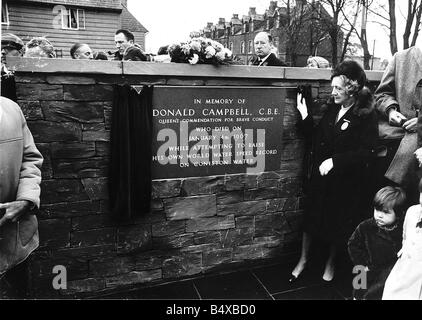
x=263, y=42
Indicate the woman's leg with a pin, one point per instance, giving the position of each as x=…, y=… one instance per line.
x=330, y=265
x=306, y=243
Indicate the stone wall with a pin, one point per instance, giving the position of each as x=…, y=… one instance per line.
x=223, y=222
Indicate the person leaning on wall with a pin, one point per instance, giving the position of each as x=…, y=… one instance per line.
x=39, y=47
x=264, y=55
x=20, y=178
x=127, y=49
x=316, y=62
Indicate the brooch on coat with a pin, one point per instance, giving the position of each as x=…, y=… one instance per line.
x=345, y=125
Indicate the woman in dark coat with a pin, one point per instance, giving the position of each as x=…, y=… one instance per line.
x=343, y=148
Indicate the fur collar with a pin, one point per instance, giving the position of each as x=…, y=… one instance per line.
x=365, y=102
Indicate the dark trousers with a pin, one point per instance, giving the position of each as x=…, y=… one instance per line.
x=15, y=283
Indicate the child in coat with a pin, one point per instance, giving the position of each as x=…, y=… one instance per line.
x=405, y=280
x=375, y=242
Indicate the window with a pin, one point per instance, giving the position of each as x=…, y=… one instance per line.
x=277, y=24
x=250, y=46
x=4, y=13
x=231, y=46
x=242, y=47
x=252, y=26
x=73, y=19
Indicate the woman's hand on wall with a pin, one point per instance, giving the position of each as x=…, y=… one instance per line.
x=326, y=167
x=301, y=106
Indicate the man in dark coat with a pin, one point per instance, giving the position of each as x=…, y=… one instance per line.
x=263, y=45
x=127, y=49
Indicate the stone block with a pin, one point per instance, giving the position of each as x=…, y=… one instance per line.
x=262, y=194
x=84, y=286
x=270, y=241
x=190, y=208
x=210, y=224
x=21, y=77
x=69, y=79
x=54, y=233
x=245, y=222
x=134, y=277
x=102, y=148
x=88, y=168
x=207, y=237
x=249, y=208
x=276, y=205
x=87, y=253
x=236, y=237
x=230, y=197
x=69, y=209
x=95, y=132
x=173, y=242
x=251, y=252
x=93, y=237
x=185, y=264
x=217, y=257
x=200, y=186
x=135, y=238
x=251, y=181
x=31, y=109
x=168, y=228
x=73, y=150
x=40, y=91
x=96, y=188
x=88, y=222
x=148, y=261
x=44, y=131
x=70, y=111
x=110, y=266
x=290, y=187
x=234, y=182
x=62, y=190
x=88, y=92
x=76, y=267
x=271, y=225
x=166, y=188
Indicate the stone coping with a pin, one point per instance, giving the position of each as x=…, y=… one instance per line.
x=131, y=68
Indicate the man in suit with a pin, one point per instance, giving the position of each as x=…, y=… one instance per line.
x=263, y=45
x=127, y=49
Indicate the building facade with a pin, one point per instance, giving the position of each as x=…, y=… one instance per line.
x=298, y=32
x=69, y=21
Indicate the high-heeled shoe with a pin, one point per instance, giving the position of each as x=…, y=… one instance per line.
x=294, y=278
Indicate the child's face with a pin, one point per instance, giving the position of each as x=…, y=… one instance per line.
x=384, y=218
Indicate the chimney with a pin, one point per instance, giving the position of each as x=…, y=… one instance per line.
x=235, y=16
x=273, y=5
x=209, y=24
x=252, y=11
x=221, y=21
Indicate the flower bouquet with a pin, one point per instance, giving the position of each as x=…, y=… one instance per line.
x=200, y=50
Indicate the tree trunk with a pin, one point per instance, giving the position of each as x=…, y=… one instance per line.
x=418, y=22
x=393, y=26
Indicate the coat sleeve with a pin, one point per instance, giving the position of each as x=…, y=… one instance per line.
x=357, y=248
x=367, y=141
x=385, y=95
x=30, y=172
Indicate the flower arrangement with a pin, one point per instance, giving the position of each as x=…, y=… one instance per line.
x=200, y=50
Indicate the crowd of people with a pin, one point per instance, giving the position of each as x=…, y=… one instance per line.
x=362, y=160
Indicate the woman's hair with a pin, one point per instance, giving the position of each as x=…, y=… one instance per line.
x=353, y=75
x=43, y=44
x=75, y=48
x=390, y=198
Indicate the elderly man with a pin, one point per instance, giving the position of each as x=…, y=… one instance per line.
x=126, y=48
x=263, y=45
x=20, y=178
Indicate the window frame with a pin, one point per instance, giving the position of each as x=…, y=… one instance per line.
x=243, y=47
x=68, y=14
x=6, y=8
x=250, y=47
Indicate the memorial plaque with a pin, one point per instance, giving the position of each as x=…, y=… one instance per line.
x=209, y=131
